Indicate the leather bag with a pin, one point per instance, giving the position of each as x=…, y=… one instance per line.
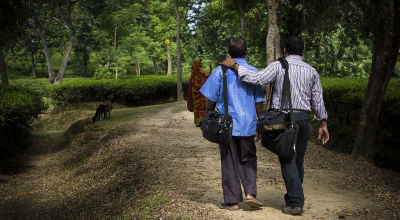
x=216, y=127
x=278, y=132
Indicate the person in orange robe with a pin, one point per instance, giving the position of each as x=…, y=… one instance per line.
x=196, y=101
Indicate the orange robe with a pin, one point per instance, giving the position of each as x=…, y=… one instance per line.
x=197, y=102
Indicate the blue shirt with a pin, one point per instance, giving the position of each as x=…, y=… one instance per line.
x=242, y=98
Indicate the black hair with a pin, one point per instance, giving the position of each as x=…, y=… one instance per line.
x=294, y=45
x=237, y=47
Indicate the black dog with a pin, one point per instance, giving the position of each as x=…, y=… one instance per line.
x=103, y=110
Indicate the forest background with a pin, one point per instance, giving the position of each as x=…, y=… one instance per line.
x=96, y=50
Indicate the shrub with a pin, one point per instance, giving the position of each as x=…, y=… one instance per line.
x=343, y=99
x=18, y=107
x=133, y=92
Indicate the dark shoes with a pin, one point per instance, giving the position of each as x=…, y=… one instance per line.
x=293, y=210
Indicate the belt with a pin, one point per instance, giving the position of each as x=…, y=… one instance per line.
x=299, y=115
x=297, y=111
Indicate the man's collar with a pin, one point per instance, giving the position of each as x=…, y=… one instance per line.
x=294, y=57
x=240, y=60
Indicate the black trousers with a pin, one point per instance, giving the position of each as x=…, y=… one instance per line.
x=238, y=166
x=292, y=168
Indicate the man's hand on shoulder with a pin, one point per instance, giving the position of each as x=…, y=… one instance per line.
x=323, y=133
x=229, y=62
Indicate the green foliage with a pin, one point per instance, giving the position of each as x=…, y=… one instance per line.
x=333, y=54
x=20, y=105
x=135, y=91
x=343, y=99
x=123, y=33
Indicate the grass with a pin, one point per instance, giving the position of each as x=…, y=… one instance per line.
x=149, y=205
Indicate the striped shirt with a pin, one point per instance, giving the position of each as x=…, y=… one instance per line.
x=305, y=85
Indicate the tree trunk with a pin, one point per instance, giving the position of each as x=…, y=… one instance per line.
x=273, y=37
x=324, y=45
x=303, y=29
x=116, y=67
x=272, y=45
x=169, y=62
x=385, y=52
x=3, y=69
x=115, y=36
x=137, y=68
x=318, y=54
x=33, y=69
x=64, y=63
x=115, y=50
x=277, y=45
x=242, y=22
x=47, y=55
x=85, y=59
x=178, y=52
x=107, y=65
x=155, y=65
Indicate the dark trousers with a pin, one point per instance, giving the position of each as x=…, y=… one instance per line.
x=238, y=166
x=292, y=168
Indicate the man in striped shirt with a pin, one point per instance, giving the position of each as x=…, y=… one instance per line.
x=306, y=94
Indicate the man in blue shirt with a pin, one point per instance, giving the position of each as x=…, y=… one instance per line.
x=238, y=158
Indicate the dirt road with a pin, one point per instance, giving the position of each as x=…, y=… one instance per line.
x=336, y=186
x=152, y=163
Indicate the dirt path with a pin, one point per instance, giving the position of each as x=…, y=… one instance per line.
x=334, y=185
x=158, y=165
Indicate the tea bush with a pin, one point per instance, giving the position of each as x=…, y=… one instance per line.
x=132, y=92
x=343, y=99
x=18, y=107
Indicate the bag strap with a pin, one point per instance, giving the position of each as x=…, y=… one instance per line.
x=286, y=93
x=225, y=88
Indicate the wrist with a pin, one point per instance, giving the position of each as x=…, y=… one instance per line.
x=233, y=66
x=324, y=123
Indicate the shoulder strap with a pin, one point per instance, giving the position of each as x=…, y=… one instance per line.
x=286, y=95
x=225, y=88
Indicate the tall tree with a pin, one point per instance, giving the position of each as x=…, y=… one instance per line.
x=178, y=52
x=32, y=47
x=273, y=45
x=12, y=19
x=385, y=52
x=242, y=6
x=169, y=60
x=65, y=13
x=242, y=20
x=273, y=37
x=61, y=13
x=162, y=30
x=3, y=69
x=137, y=68
x=47, y=55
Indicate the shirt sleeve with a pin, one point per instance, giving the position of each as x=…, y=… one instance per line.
x=211, y=87
x=262, y=77
x=317, y=101
x=259, y=94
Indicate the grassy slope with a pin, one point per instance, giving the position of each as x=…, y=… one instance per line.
x=80, y=170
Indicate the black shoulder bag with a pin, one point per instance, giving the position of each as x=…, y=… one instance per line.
x=216, y=127
x=279, y=133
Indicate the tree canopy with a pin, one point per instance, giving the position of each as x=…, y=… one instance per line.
x=115, y=39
